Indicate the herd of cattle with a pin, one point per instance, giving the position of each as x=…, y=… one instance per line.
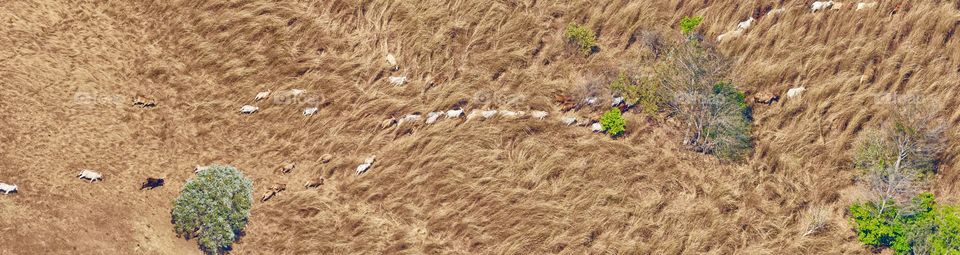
x=431, y=118
x=455, y=112
x=151, y=183
x=815, y=7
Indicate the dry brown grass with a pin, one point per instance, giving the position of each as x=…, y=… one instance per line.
x=515, y=187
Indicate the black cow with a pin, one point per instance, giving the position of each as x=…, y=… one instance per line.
x=152, y=183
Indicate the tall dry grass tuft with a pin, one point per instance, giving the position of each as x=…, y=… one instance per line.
x=498, y=186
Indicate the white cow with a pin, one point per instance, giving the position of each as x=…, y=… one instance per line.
x=362, y=168
x=616, y=101
x=297, y=92
x=310, y=111
x=200, y=168
x=596, y=127
x=249, y=109
x=538, y=114
x=821, y=5
x=397, y=80
x=744, y=25
x=473, y=114
x=729, y=35
x=583, y=122
x=568, y=120
x=7, y=188
x=590, y=100
x=512, y=114
x=864, y=6
x=411, y=118
x=262, y=95
x=488, y=114
x=392, y=60
x=454, y=113
x=90, y=175
x=837, y=6
x=433, y=116
x=795, y=92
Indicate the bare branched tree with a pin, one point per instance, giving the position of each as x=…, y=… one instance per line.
x=898, y=158
x=892, y=186
x=689, y=76
x=917, y=135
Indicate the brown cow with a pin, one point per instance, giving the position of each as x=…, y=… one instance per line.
x=388, y=122
x=766, y=98
x=325, y=158
x=286, y=168
x=272, y=191
x=144, y=102
x=566, y=102
x=314, y=184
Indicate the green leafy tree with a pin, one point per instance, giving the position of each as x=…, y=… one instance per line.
x=613, y=122
x=688, y=24
x=214, y=206
x=582, y=37
x=872, y=229
x=922, y=227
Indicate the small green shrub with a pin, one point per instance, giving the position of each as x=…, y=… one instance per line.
x=924, y=227
x=650, y=97
x=643, y=93
x=613, y=122
x=625, y=88
x=582, y=37
x=214, y=206
x=688, y=24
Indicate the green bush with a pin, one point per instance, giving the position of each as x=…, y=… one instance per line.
x=688, y=24
x=581, y=36
x=924, y=227
x=626, y=88
x=613, y=122
x=214, y=206
x=644, y=93
x=650, y=98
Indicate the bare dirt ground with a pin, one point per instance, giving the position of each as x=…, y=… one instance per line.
x=69, y=68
